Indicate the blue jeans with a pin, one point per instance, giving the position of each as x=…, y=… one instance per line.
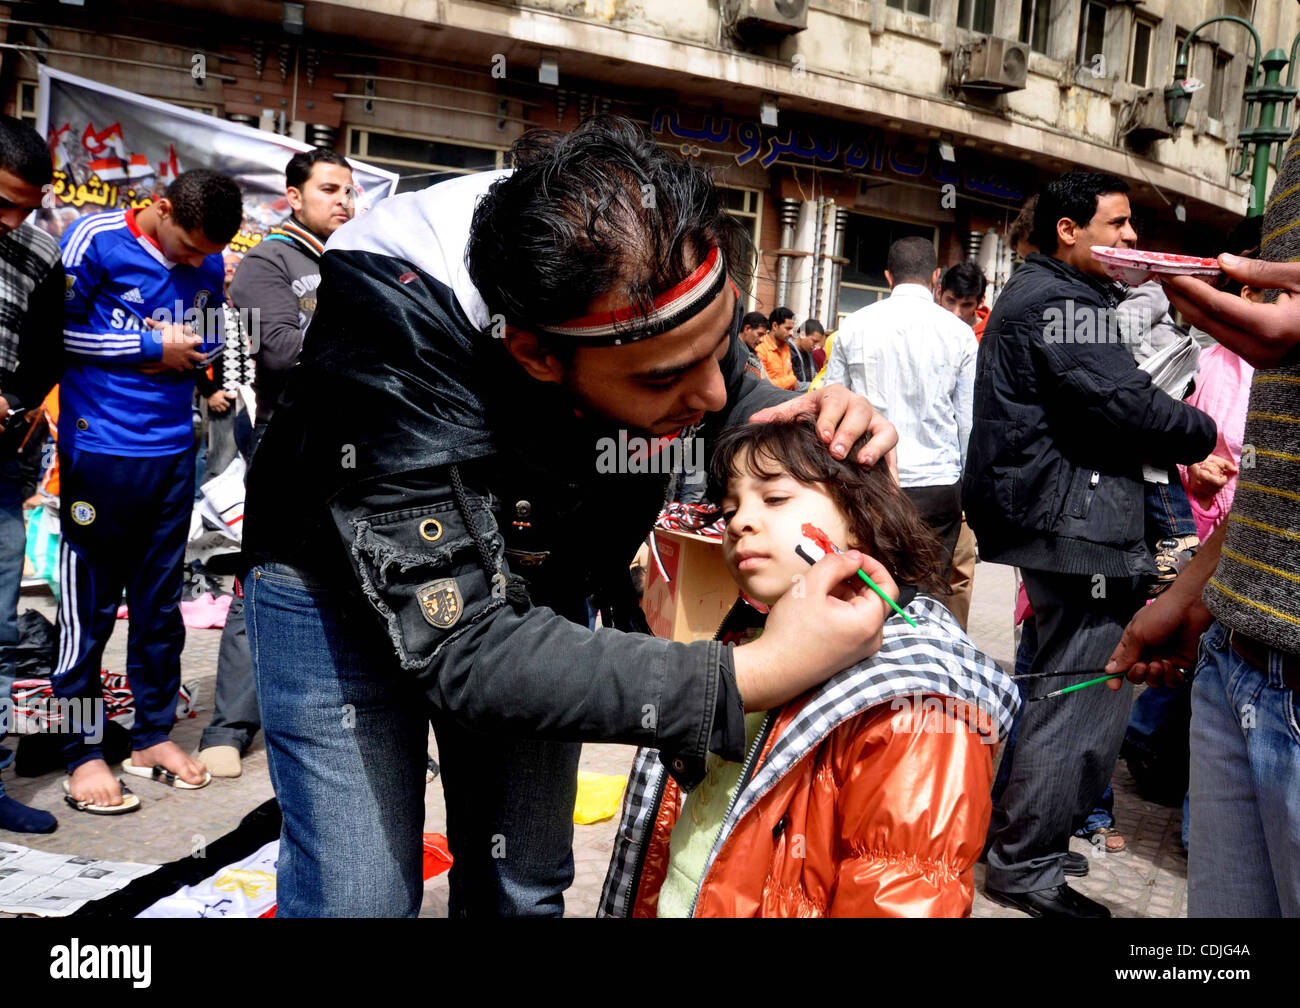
x=13, y=542
x=346, y=732
x=1158, y=719
x=1244, y=855
x=1168, y=511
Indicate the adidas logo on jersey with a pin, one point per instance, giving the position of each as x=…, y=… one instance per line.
x=134, y=296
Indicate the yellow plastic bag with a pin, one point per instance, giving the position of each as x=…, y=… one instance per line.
x=599, y=797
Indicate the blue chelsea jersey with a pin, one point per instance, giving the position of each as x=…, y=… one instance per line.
x=116, y=279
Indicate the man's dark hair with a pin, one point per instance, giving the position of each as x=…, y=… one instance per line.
x=1022, y=228
x=1074, y=196
x=780, y=314
x=206, y=200
x=1243, y=240
x=597, y=210
x=298, y=170
x=912, y=259
x=881, y=519
x=754, y=320
x=1245, y=237
x=23, y=152
x=813, y=328
x=963, y=280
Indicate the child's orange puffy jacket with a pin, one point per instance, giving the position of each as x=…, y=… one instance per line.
x=868, y=797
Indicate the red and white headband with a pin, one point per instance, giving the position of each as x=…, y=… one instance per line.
x=672, y=308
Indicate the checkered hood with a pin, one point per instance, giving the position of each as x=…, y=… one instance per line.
x=26, y=255
x=934, y=658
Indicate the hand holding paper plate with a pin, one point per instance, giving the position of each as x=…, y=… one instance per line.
x=1136, y=266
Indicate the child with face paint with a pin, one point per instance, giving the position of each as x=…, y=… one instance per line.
x=868, y=796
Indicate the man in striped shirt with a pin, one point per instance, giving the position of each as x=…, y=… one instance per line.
x=1239, y=599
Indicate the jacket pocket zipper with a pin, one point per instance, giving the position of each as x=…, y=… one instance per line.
x=1093, y=480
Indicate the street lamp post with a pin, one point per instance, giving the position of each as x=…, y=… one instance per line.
x=1269, y=95
x=1266, y=96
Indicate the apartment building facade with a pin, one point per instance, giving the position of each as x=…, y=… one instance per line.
x=835, y=126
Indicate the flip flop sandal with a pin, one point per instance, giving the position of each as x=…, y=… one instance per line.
x=1109, y=837
x=130, y=802
x=162, y=775
x=1172, y=555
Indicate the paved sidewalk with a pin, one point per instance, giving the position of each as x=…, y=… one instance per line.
x=1146, y=880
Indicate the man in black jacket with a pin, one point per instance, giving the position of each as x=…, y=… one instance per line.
x=428, y=550
x=1064, y=420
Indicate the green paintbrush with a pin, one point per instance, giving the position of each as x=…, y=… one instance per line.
x=1076, y=686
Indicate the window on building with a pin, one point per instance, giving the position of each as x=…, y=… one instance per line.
x=1092, y=36
x=1034, y=18
x=422, y=161
x=1218, y=104
x=1139, y=61
x=912, y=6
x=976, y=15
x=192, y=106
x=26, y=101
x=866, y=244
x=746, y=205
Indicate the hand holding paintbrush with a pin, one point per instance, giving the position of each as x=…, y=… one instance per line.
x=815, y=544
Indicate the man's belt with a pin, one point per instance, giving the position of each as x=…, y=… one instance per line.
x=1257, y=652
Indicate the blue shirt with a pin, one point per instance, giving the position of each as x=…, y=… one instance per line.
x=116, y=279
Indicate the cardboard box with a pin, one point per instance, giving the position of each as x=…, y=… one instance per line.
x=698, y=593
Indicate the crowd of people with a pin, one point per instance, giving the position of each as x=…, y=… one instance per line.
x=450, y=555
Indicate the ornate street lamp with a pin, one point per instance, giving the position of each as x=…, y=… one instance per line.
x=1177, y=100
x=1266, y=96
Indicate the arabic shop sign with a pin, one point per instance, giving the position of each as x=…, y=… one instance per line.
x=866, y=151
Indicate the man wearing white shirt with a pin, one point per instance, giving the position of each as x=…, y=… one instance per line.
x=916, y=362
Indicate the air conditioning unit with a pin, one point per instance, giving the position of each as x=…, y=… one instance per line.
x=773, y=17
x=996, y=64
x=1143, y=120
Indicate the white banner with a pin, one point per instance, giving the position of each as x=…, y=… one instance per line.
x=114, y=149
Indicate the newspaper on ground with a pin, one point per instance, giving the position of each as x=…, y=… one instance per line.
x=55, y=885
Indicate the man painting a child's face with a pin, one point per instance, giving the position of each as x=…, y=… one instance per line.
x=763, y=517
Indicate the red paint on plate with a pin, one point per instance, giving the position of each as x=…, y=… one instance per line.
x=1146, y=258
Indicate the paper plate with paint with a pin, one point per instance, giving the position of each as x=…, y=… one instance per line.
x=1137, y=266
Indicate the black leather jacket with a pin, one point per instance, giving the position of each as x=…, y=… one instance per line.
x=411, y=457
x=1063, y=421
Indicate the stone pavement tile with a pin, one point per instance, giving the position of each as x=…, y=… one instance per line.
x=170, y=823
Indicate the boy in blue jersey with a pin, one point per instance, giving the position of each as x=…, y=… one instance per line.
x=142, y=315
